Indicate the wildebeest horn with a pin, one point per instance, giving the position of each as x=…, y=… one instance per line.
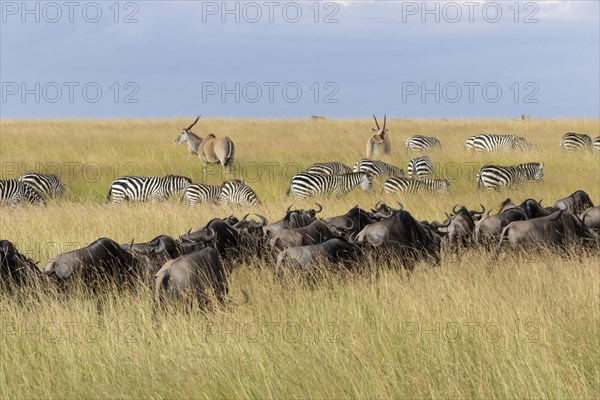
x=193, y=123
x=245, y=216
x=263, y=221
x=131, y=245
x=211, y=236
x=489, y=211
x=482, y=210
x=377, y=205
x=288, y=209
x=320, y=208
x=401, y=206
x=376, y=123
x=540, y=202
x=454, y=208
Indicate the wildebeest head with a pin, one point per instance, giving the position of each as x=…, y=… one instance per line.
x=577, y=202
x=382, y=210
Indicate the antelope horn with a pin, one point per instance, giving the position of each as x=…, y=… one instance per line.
x=376, y=123
x=384, y=121
x=193, y=123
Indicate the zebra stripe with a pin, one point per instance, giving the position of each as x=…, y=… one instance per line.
x=146, y=188
x=238, y=193
x=576, y=142
x=422, y=143
x=329, y=168
x=46, y=185
x=200, y=193
x=306, y=185
x=596, y=146
x=377, y=168
x=493, y=177
x=13, y=192
x=407, y=185
x=489, y=142
x=420, y=167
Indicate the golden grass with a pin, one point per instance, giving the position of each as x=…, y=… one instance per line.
x=529, y=327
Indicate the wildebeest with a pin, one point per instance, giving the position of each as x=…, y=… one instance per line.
x=461, y=226
x=577, y=202
x=101, y=262
x=489, y=229
x=314, y=233
x=405, y=237
x=195, y=275
x=352, y=222
x=153, y=254
x=379, y=144
x=231, y=240
x=591, y=218
x=332, y=250
x=210, y=149
x=293, y=219
x=16, y=270
x=561, y=228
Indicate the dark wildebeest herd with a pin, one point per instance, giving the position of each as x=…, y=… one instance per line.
x=196, y=264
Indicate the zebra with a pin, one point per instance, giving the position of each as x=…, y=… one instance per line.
x=495, y=177
x=596, y=146
x=571, y=142
x=146, y=188
x=238, y=193
x=422, y=143
x=407, y=185
x=329, y=168
x=420, y=167
x=306, y=185
x=46, y=185
x=490, y=142
x=377, y=168
x=200, y=193
x=13, y=192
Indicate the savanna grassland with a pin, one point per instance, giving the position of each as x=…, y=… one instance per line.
x=522, y=327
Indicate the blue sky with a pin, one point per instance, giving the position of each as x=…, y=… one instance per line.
x=411, y=59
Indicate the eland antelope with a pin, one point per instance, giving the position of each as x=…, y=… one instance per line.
x=210, y=149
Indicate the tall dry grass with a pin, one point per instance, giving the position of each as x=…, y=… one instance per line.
x=525, y=327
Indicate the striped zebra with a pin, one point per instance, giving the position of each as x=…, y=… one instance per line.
x=13, y=192
x=420, y=167
x=200, y=193
x=377, y=168
x=46, y=185
x=238, y=193
x=146, y=188
x=489, y=143
x=493, y=177
x=422, y=143
x=329, y=168
x=407, y=185
x=596, y=146
x=306, y=185
x=572, y=142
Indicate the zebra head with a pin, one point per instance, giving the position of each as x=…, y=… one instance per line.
x=184, y=135
x=366, y=182
x=538, y=174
